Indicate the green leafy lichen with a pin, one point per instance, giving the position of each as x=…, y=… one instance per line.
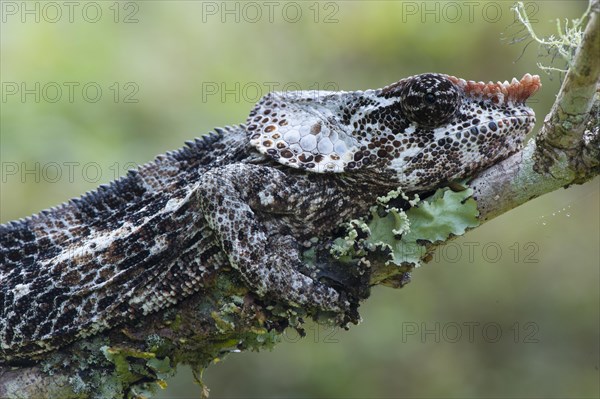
x=89, y=377
x=122, y=359
x=444, y=214
x=162, y=368
x=222, y=322
x=403, y=234
x=135, y=368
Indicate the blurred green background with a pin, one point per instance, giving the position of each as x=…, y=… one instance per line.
x=510, y=310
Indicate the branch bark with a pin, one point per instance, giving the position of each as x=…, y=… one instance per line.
x=134, y=360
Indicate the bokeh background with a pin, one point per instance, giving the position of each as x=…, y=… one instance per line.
x=510, y=310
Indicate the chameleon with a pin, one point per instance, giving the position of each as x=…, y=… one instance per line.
x=245, y=198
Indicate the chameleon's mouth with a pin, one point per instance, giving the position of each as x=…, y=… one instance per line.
x=513, y=92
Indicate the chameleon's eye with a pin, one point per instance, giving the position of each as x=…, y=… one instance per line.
x=430, y=100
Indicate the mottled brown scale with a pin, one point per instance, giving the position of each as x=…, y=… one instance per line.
x=316, y=128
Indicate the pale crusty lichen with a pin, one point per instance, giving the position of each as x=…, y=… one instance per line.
x=564, y=44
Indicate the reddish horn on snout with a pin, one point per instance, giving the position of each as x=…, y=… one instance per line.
x=516, y=91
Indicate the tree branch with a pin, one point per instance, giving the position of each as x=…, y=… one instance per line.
x=134, y=360
x=565, y=151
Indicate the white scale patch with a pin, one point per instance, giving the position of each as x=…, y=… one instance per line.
x=160, y=244
x=20, y=290
x=96, y=243
x=305, y=134
x=173, y=204
x=265, y=198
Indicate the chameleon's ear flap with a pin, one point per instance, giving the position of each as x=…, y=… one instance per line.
x=304, y=133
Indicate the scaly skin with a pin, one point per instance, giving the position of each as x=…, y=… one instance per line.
x=246, y=197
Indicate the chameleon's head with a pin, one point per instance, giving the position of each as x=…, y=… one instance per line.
x=427, y=128
x=452, y=128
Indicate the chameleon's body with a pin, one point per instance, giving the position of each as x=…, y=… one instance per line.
x=245, y=197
